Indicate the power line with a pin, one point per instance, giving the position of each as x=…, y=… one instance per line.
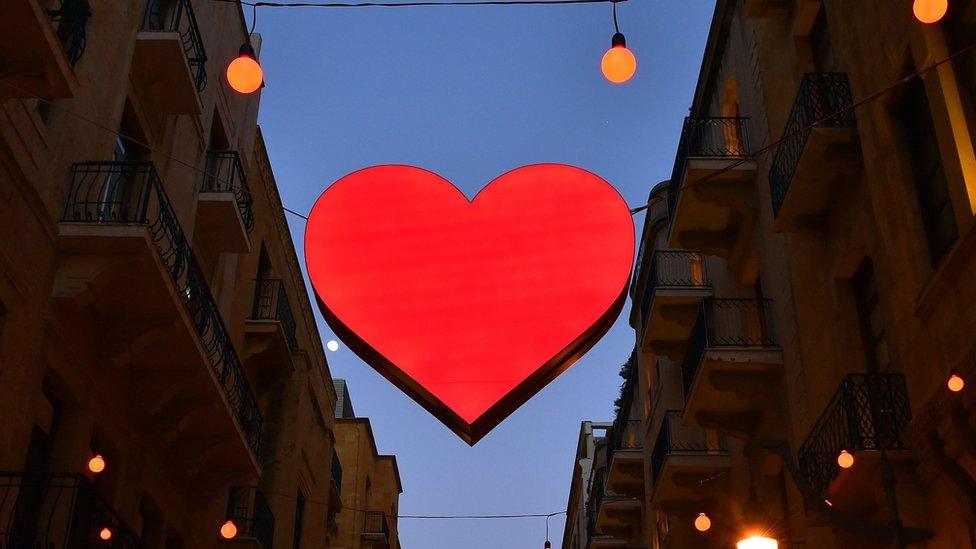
x=413, y=4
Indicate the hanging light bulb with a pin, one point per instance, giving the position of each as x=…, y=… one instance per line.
x=930, y=11
x=96, y=464
x=619, y=63
x=105, y=533
x=245, y=74
x=703, y=523
x=845, y=459
x=955, y=382
x=228, y=530
x=757, y=542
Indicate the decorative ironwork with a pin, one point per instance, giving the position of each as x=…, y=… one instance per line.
x=375, y=524
x=868, y=413
x=821, y=95
x=271, y=303
x=177, y=16
x=676, y=439
x=224, y=173
x=131, y=192
x=248, y=508
x=728, y=323
x=714, y=137
x=72, y=19
x=336, y=472
x=625, y=435
x=57, y=511
x=673, y=269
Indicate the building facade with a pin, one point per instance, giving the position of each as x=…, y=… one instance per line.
x=579, y=523
x=801, y=293
x=152, y=310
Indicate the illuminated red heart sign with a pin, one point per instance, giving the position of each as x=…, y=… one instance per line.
x=470, y=307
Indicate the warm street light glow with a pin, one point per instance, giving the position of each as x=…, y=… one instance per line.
x=245, y=74
x=96, y=464
x=619, y=63
x=757, y=542
x=703, y=523
x=845, y=459
x=105, y=534
x=956, y=383
x=332, y=345
x=228, y=530
x=930, y=11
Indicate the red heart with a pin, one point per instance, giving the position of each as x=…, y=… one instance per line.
x=470, y=307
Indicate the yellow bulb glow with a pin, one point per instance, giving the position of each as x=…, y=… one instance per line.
x=619, y=64
x=956, y=383
x=105, y=533
x=845, y=459
x=96, y=464
x=703, y=523
x=245, y=74
x=757, y=542
x=228, y=530
x=930, y=11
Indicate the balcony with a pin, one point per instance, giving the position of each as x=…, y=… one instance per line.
x=248, y=509
x=670, y=301
x=270, y=332
x=866, y=417
x=625, y=458
x=814, y=162
x=225, y=214
x=766, y=9
x=684, y=459
x=376, y=530
x=731, y=365
x=169, y=67
x=39, y=47
x=129, y=280
x=58, y=511
x=335, y=492
x=613, y=520
x=711, y=200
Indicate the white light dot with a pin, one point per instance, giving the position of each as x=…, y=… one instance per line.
x=332, y=345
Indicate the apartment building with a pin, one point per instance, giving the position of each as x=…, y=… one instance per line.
x=578, y=529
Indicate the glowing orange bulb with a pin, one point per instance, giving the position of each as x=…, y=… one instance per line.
x=703, y=523
x=757, y=542
x=956, y=383
x=96, y=464
x=930, y=11
x=228, y=530
x=105, y=533
x=845, y=459
x=619, y=63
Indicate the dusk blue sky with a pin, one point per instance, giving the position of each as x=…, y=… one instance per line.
x=471, y=93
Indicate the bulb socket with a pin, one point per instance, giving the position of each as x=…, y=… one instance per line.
x=618, y=40
x=247, y=50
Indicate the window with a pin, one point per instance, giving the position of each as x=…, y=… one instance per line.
x=938, y=219
x=299, y=517
x=871, y=320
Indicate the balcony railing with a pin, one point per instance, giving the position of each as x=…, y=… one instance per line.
x=624, y=436
x=271, y=303
x=676, y=439
x=131, y=192
x=674, y=269
x=57, y=511
x=728, y=323
x=224, y=173
x=821, y=95
x=177, y=16
x=72, y=19
x=248, y=509
x=717, y=137
x=375, y=524
x=336, y=472
x=868, y=413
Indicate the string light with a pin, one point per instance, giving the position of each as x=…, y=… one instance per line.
x=96, y=464
x=930, y=11
x=332, y=345
x=105, y=533
x=228, y=530
x=618, y=64
x=703, y=523
x=845, y=459
x=245, y=74
x=955, y=382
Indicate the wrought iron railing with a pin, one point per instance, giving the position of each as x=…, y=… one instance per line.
x=131, y=192
x=177, y=16
x=375, y=524
x=727, y=323
x=676, y=439
x=224, y=173
x=249, y=510
x=58, y=511
x=271, y=303
x=625, y=435
x=336, y=472
x=714, y=137
x=821, y=95
x=868, y=413
x=72, y=19
x=673, y=269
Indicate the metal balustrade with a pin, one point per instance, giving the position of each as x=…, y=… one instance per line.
x=673, y=269
x=58, y=511
x=224, y=173
x=375, y=524
x=728, y=323
x=676, y=439
x=72, y=19
x=271, y=303
x=131, y=192
x=712, y=137
x=821, y=95
x=249, y=510
x=868, y=413
x=178, y=16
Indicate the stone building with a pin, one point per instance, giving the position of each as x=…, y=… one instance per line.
x=154, y=323
x=801, y=296
x=577, y=531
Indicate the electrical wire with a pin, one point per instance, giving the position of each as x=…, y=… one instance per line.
x=414, y=4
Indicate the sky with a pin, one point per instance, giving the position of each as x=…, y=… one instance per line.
x=471, y=93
